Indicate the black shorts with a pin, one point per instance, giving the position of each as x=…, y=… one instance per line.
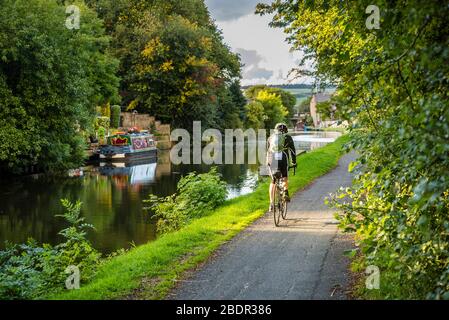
x=279, y=168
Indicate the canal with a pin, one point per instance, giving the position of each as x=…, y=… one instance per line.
x=112, y=198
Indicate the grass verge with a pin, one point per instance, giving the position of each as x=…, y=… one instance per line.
x=151, y=270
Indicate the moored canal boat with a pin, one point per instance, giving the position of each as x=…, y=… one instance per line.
x=128, y=147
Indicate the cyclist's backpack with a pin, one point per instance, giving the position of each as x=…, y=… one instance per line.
x=277, y=143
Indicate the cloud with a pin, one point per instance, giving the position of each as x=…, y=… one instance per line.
x=251, y=60
x=263, y=50
x=227, y=10
x=249, y=57
x=257, y=73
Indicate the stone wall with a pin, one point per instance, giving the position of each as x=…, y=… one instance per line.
x=143, y=121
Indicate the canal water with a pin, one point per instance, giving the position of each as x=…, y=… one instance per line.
x=112, y=198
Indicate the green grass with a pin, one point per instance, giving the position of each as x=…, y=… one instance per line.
x=151, y=270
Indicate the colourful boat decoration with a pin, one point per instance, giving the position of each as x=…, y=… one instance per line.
x=128, y=146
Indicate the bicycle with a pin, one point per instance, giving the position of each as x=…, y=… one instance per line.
x=280, y=202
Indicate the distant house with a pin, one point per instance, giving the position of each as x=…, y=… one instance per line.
x=319, y=98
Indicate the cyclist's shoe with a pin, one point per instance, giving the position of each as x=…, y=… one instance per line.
x=287, y=196
x=271, y=207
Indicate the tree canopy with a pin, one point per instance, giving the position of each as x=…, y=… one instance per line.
x=174, y=63
x=51, y=79
x=288, y=99
x=265, y=109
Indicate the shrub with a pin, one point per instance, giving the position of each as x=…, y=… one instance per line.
x=309, y=121
x=115, y=116
x=101, y=134
x=153, y=129
x=30, y=271
x=197, y=195
x=104, y=122
x=105, y=110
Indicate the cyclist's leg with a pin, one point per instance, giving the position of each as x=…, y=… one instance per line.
x=286, y=183
x=272, y=189
x=284, y=172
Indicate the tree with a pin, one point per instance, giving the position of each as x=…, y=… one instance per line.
x=326, y=110
x=174, y=63
x=229, y=113
x=252, y=92
x=271, y=101
x=393, y=83
x=274, y=110
x=51, y=79
x=255, y=115
x=238, y=98
x=288, y=99
x=175, y=76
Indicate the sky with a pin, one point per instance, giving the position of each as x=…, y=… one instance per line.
x=263, y=50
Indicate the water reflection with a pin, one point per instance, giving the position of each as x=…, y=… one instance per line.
x=127, y=174
x=313, y=140
x=112, y=200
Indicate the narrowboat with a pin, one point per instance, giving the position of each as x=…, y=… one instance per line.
x=123, y=147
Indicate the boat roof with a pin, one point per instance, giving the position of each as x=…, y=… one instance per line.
x=133, y=135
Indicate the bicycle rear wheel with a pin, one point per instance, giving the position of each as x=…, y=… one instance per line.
x=284, y=209
x=277, y=208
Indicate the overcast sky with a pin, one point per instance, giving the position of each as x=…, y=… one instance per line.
x=263, y=50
